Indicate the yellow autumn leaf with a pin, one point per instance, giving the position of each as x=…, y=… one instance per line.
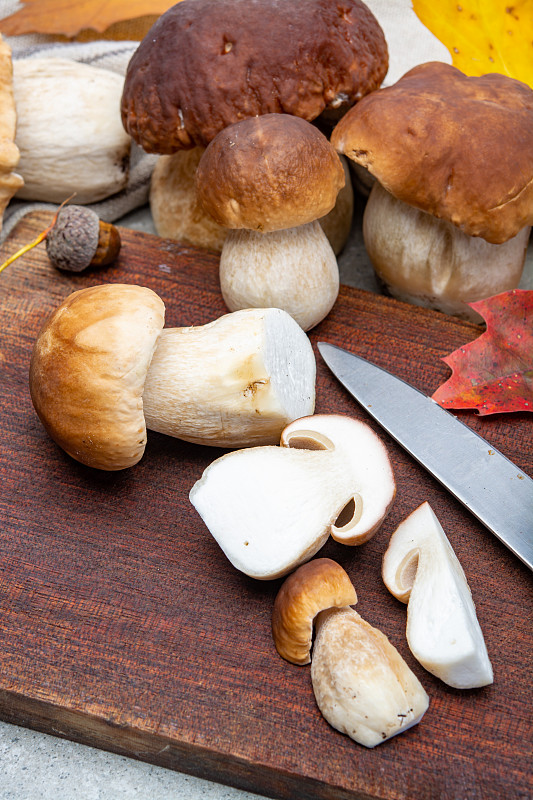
x=483, y=35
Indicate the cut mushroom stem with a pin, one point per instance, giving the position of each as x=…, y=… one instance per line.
x=313, y=587
x=234, y=382
x=421, y=569
x=103, y=369
x=272, y=508
x=362, y=685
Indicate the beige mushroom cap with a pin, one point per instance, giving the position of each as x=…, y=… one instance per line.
x=313, y=587
x=88, y=369
x=269, y=173
x=457, y=147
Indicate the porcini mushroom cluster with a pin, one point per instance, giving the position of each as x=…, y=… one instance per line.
x=269, y=179
x=272, y=508
x=362, y=685
x=448, y=219
x=203, y=67
x=103, y=370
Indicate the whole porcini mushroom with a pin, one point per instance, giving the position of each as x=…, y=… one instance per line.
x=448, y=219
x=421, y=569
x=269, y=179
x=203, y=66
x=272, y=508
x=362, y=685
x=313, y=587
x=80, y=239
x=10, y=181
x=103, y=370
x=69, y=130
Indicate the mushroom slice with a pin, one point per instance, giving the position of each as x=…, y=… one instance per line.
x=313, y=587
x=362, y=685
x=272, y=508
x=373, y=486
x=421, y=569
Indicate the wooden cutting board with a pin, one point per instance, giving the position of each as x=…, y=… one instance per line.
x=123, y=626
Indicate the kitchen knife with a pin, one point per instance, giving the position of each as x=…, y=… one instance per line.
x=494, y=489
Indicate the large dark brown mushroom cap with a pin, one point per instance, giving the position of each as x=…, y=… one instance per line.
x=206, y=64
x=269, y=173
x=457, y=147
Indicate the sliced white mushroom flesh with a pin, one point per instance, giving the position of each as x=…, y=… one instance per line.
x=367, y=460
x=234, y=382
x=272, y=508
x=362, y=685
x=421, y=569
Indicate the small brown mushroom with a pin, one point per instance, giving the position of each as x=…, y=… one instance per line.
x=448, y=219
x=269, y=179
x=79, y=239
x=313, y=587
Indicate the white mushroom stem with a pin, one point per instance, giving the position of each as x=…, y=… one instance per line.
x=430, y=262
x=293, y=269
x=69, y=130
x=234, y=382
x=272, y=508
x=421, y=569
x=362, y=685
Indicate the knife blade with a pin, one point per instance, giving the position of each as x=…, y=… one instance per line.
x=492, y=488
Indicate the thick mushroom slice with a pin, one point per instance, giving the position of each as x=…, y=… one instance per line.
x=313, y=587
x=421, y=569
x=362, y=685
x=272, y=508
x=367, y=460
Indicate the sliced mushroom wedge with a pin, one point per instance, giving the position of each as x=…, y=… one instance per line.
x=272, y=508
x=421, y=569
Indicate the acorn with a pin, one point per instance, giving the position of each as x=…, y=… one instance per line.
x=80, y=239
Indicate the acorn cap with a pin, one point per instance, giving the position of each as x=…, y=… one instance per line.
x=88, y=370
x=206, y=64
x=457, y=147
x=269, y=173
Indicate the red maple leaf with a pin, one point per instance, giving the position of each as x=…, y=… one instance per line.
x=494, y=373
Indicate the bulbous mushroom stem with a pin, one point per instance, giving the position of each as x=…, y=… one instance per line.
x=430, y=262
x=235, y=382
x=294, y=269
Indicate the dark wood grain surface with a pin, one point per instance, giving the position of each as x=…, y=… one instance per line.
x=122, y=625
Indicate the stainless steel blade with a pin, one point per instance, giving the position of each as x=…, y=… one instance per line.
x=493, y=488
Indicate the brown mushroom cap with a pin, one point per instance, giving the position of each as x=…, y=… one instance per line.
x=208, y=63
x=88, y=369
x=313, y=587
x=457, y=147
x=269, y=173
